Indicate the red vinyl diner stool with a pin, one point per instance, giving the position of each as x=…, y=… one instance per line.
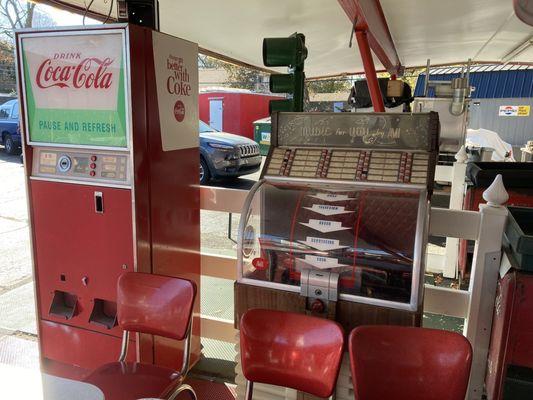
x=405, y=363
x=290, y=350
x=157, y=305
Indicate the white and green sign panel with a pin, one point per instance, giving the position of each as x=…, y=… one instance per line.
x=75, y=88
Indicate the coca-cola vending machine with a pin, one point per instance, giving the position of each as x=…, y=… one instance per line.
x=110, y=121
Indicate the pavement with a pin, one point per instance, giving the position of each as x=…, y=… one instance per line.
x=18, y=330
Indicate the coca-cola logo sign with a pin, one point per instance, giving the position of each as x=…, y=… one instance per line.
x=85, y=73
x=179, y=111
x=176, y=80
x=178, y=84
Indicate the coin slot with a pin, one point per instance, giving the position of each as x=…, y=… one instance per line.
x=64, y=164
x=98, y=202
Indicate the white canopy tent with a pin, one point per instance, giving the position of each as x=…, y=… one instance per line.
x=447, y=32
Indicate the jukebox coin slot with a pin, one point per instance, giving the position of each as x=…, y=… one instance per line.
x=320, y=288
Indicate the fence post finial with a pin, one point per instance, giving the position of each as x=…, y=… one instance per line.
x=461, y=156
x=496, y=195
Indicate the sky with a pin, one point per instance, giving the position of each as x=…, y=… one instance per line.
x=64, y=18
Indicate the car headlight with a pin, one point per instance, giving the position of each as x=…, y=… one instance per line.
x=221, y=146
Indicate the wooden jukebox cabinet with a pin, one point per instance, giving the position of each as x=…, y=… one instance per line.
x=110, y=119
x=337, y=226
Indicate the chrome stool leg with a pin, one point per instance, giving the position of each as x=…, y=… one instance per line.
x=183, y=388
x=249, y=390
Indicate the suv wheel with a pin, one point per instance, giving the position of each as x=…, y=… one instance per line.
x=205, y=176
x=10, y=145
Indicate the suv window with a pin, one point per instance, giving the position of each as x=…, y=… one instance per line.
x=15, y=112
x=4, y=112
x=205, y=128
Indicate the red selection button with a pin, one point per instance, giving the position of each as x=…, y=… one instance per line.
x=92, y=173
x=260, y=263
x=93, y=165
x=93, y=158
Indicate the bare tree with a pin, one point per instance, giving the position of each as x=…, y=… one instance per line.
x=15, y=14
x=18, y=14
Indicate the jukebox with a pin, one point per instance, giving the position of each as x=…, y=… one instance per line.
x=110, y=116
x=337, y=225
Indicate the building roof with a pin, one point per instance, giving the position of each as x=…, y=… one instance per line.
x=489, y=81
x=329, y=96
x=478, y=68
x=209, y=77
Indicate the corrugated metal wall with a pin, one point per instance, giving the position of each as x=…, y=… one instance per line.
x=484, y=113
x=495, y=86
x=488, y=85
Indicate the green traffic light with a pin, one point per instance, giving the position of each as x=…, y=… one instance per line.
x=281, y=83
x=290, y=51
x=280, y=105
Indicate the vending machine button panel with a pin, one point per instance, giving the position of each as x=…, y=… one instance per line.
x=104, y=168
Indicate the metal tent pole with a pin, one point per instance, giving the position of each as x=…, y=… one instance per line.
x=370, y=71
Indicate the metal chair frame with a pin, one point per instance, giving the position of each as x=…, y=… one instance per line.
x=184, y=366
x=249, y=390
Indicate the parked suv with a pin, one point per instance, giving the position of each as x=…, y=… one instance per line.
x=9, y=127
x=224, y=155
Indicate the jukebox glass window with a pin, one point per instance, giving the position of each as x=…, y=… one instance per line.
x=367, y=235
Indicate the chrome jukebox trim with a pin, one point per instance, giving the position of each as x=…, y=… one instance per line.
x=421, y=241
x=245, y=214
x=75, y=31
x=334, y=182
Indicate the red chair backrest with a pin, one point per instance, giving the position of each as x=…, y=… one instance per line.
x=155, y=304
x=291, y=350
x=403, y=363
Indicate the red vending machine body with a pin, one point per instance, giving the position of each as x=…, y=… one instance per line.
x=511, y=343
x=522, y=197
x=110, y=117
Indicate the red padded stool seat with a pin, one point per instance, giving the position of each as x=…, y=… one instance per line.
x=405, y=363
x=291, y=350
